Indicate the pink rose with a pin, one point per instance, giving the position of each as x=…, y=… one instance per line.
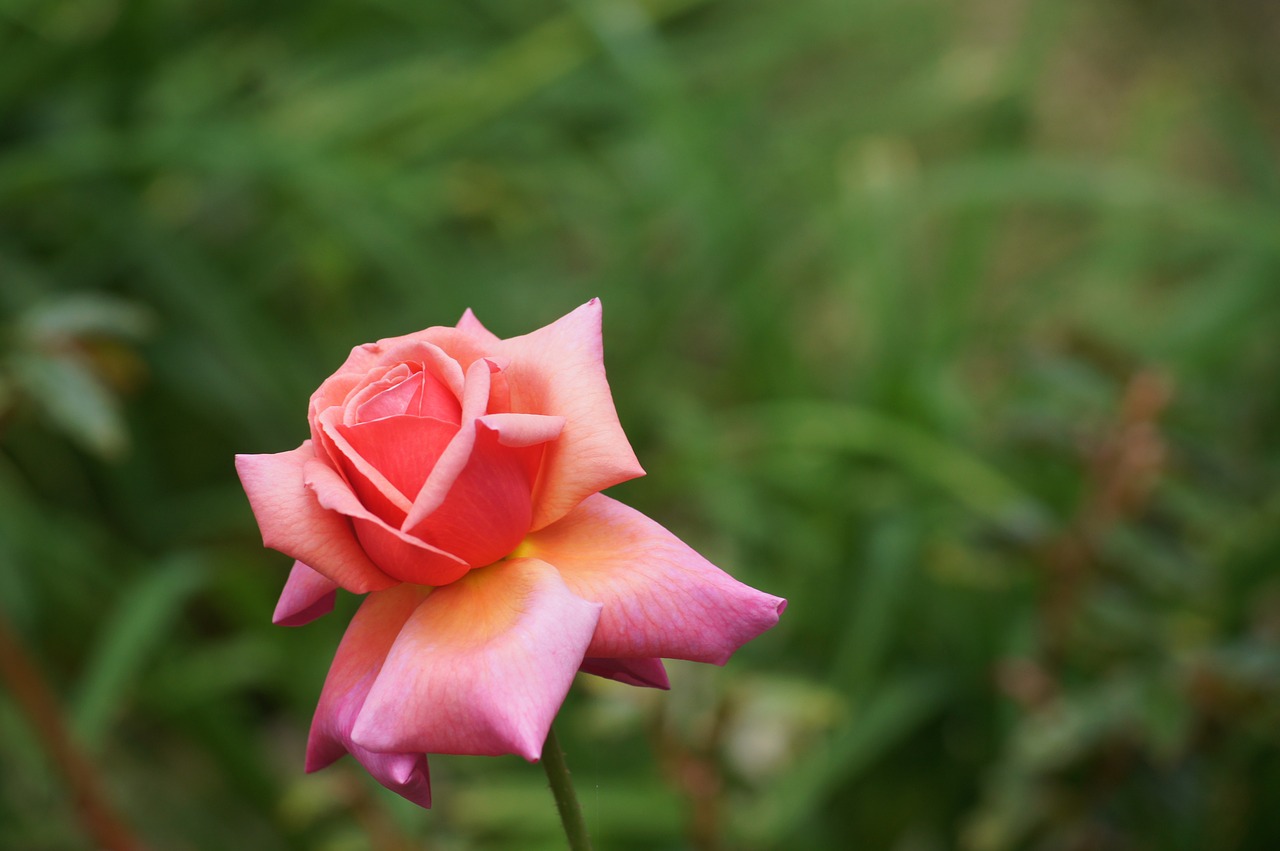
x=454, y=477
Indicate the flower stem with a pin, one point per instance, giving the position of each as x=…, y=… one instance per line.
x=575, y=828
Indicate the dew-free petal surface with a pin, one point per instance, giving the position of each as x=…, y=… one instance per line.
x=397, y=554
x=293, y=521
x=559, y=370
x=419, y=395
x=481, y=666
x=487, y=511
x=453, y=460
x=404, y=449
x=306, y=596
x=660, y=598
x=650, y=673
x=475, y=328
x=356, y=663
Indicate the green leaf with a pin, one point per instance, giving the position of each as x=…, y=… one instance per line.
x=138, y=628
x=74, y=400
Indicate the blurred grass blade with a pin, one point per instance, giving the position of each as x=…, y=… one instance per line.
x=891, y=556
x=888, y=717
x=837, y=428
x=137, y=629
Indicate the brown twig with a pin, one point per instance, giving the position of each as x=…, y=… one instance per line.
x=38, y=703
x=1123, y=471
x=694, y=769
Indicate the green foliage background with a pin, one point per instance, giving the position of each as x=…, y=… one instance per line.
x=955, y=323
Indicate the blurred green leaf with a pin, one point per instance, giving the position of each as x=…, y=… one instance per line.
x=131, y=639
x=74, y=399
x=878, y=723
x=835, y=429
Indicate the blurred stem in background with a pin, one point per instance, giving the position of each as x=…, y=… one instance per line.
x=26, y=686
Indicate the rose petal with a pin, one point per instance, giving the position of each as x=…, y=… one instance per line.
x=360, y=656
x=487, y=511
x=306, y=596
x=381, y=381
x=559, y=370
x=523, y=429
x=374, y=490
x=398, y=554
x=457, y=346
x=649, y=673
x=481, y=667
x=472, y=326
x=293, y=521
x=331, y=394
x=419, y=395
x=475, y=397
x=402, y=449
x=661, y=599
x=403, y=773
x=410, y=348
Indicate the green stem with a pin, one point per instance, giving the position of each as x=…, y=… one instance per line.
x=575, y=828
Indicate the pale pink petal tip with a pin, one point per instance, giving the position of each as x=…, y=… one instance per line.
x=306, y=596
x=473, y=326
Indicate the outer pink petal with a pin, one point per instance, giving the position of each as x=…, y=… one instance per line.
x=660, y=597
x=472, y=326
x=481, y=667
x=559, y=370
x=634, y=672
x=294, y=522
x=355, y=666
x=396, y=553
x=307, y=595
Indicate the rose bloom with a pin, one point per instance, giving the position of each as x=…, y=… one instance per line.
x=455, y=477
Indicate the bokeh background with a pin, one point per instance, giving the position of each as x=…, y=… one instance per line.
x=957, y=324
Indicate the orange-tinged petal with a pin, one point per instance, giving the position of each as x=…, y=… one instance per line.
x=482, y=665
x=294, y=522
x=559, y=370
x=306, y=596
x=660, y=598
